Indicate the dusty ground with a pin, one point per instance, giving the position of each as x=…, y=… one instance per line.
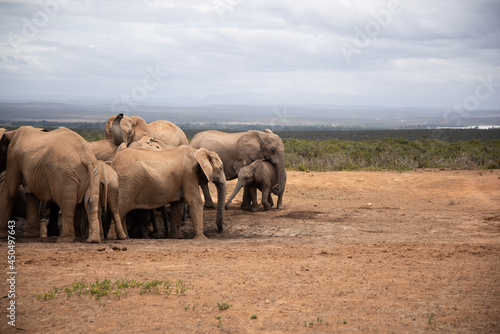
x=351, y=252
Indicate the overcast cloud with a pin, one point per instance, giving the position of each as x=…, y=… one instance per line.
x=348, y=52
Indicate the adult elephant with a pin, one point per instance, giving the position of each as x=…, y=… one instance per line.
x=146, y=216
x=242, y=148
x=149, y=179
x=56, y=166
x=128, y=129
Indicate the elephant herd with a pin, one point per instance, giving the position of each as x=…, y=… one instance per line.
x=137, y=166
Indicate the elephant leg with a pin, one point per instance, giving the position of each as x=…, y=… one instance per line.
x=209, y=203
x=120, y=233
x=134, y=224
x=253, y=196
x=53, y=226
x=196, y=206
x=279, y=206
x=144, y=223
x=270, y=199
x=101, y=229
x=247, y=199
x=164, y=215
x=32, y=217
x=5, y=212
x=123, y=219
x=105, y=217
x=152, y=221
x=265, y=199
x=176, y=209
x=7, y=193
x=81, y=222
x=71, y=220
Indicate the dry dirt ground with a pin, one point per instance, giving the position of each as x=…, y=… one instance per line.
x=410, y=252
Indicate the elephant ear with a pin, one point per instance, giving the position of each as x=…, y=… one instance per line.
x=108, y=134
x=5, y=139
x=205, y=160
x=250, y=143
x=6, y=136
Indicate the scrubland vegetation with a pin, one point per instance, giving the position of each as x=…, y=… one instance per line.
x=364, y=150
x=373, y=149
x=399, y=154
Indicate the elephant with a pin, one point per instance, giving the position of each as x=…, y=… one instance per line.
x=108, y=202
x=261, y=175
x=56, y=166
x=149, y=179
x=154, y=144
x=242, y=148
x=109, y=197
x=168, y=133
x=129, y=129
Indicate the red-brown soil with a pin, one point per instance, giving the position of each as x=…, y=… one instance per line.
x=410, y=252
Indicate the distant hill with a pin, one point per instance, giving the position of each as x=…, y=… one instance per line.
x=272, y=115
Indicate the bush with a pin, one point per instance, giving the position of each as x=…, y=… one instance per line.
x=399, y=154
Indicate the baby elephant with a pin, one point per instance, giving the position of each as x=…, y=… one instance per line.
x=261, y=175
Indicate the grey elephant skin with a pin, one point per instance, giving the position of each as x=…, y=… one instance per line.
x=242, y=148
x=149, y=179
x=261, y=175
x=56, y=166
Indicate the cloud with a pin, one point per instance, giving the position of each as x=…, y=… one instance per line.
x=400, y=53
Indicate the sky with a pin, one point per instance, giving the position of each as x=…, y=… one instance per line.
x=394, y=53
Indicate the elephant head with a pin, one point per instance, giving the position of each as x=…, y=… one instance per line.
x=212, y=168
x=268, y=146
x=125, y=129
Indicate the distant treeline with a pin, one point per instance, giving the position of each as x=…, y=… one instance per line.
x=95, y=131
x=323, y=150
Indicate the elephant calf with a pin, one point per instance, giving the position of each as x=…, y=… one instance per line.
x=261, y=175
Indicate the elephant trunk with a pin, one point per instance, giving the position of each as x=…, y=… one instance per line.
x=116, y=130
x=239, y=185
x=279, y=188
x=221, y=197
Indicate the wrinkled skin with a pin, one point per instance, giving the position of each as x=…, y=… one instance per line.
x=260, y=175
x=240, y=149
x=145, y=142
x=128, y=129
x=150, y=179
x=144, y=218
x=104, y=150
x=56, y=166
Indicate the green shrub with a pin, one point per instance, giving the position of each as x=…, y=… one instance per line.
x=389, y=153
